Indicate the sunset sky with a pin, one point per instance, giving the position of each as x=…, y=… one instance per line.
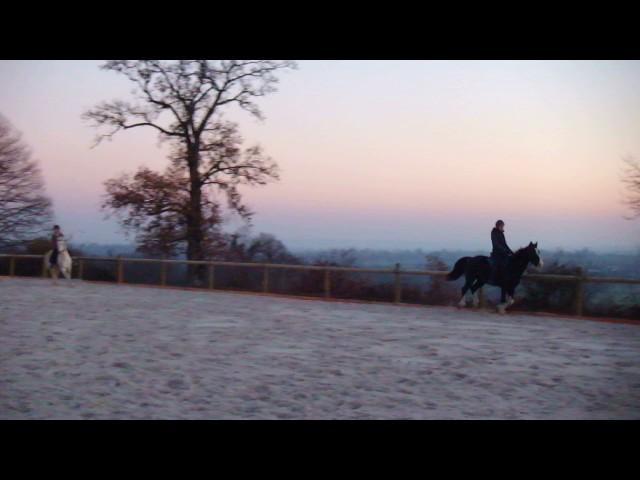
x=378, y=154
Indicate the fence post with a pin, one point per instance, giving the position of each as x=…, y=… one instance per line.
x=398, y=286
x=80, y=268
x=12, y=266
x=327, y=284
x=163, y=273
x=211, y=276
x=265, y=280
x=579, y=295
x=44, y=266
x=120, y=270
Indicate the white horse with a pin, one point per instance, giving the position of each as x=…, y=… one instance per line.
x=63, y=265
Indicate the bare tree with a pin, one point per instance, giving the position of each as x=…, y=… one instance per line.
x=183, y=101
x=154, y=207
x=632, y=181
x=24, y=208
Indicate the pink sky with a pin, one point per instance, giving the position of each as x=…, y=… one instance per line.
x=390, y=154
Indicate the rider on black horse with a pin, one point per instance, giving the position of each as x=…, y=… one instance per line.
x=501, y=252
x=57, y=233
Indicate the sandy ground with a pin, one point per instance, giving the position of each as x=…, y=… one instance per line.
x=89, y=351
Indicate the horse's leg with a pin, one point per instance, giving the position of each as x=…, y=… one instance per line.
x=65, y=272
x=463, y=300
x=510, y=296
x=502, y=306
x=54, y=274
x=474, y=290
x=467, y=284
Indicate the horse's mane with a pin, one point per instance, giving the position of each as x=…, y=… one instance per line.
x=520, y=251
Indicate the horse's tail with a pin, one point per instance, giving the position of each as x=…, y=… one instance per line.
x=458, y=269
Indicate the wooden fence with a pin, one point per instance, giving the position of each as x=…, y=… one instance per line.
x=579, y=281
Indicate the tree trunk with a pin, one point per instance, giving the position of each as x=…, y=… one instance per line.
x=195, y=237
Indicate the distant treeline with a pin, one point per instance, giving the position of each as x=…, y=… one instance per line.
x=593, y=263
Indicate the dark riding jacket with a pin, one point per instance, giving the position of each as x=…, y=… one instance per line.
x=500, y=247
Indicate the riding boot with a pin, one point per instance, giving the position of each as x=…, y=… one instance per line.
x=54, y=258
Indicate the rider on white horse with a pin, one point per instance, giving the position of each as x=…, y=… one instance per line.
x=55, y=243
x=58, y=259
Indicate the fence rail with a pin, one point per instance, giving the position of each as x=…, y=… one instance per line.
x=397, y=272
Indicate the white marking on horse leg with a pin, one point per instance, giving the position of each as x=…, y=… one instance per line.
x=476, y=299
x=510, y=301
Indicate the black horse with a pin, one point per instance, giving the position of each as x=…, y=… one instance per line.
x=477, y=271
